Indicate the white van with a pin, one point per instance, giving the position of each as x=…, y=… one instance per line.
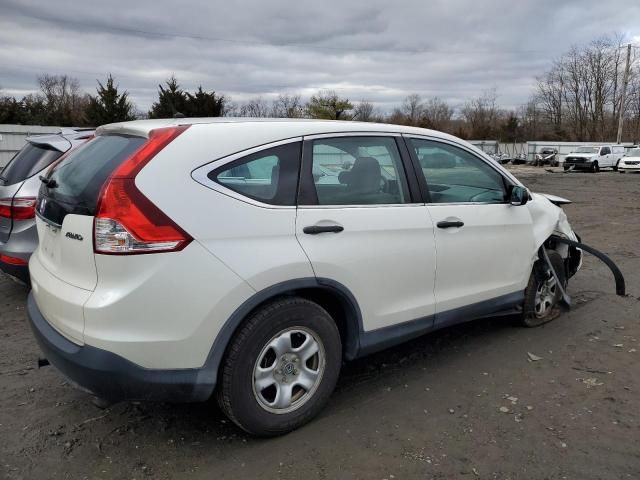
x=594, y=158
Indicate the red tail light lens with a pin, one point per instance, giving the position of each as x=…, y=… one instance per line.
x=18, y=208
x=127, y=222
x=13, y=260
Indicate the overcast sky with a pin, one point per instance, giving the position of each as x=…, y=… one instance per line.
x=372, y=49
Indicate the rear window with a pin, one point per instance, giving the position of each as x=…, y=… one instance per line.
x=29, y=161
x=79, y=177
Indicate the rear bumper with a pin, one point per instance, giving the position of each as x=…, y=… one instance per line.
x=112, y=377
x=21, y=272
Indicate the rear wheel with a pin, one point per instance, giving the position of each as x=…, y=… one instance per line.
x=615, y=168
x=595, y=168
x=543, y=293
x=281, y=367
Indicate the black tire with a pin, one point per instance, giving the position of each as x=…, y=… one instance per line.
x=533, y=316
x=595, y=168
x=566, y=169
x=237, y=395
x=615, y=169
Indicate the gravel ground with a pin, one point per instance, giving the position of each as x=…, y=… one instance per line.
x=465, y=402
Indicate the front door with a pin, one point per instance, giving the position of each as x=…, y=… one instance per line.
x=358, y=225
x=484, y=244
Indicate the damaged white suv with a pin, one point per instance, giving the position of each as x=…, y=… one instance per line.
x=250, y=258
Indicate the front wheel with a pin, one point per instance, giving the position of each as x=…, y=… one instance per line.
x=281, y=367
x=543, y=293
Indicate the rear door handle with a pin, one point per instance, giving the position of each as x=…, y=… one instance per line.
x=450, y=224
x=316, y=229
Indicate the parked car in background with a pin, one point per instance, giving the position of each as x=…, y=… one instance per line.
x=630, y=162
x=594, y=158
x=183, y=257
x=546, y=156
x=501, y=158
x=19, y=185
x=519, y=159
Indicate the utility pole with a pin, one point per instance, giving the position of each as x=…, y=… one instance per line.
x=625, y=81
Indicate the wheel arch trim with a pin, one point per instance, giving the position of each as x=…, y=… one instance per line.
x=208, y=374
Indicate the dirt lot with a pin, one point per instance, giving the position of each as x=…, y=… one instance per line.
x=466, y=402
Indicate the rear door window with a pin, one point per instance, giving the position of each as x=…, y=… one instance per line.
x=355, y=170
x=27, y=162
x=80, y=176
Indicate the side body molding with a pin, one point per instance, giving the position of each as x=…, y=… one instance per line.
x=358, y=343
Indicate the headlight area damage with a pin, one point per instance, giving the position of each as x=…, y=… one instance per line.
x=553, y=233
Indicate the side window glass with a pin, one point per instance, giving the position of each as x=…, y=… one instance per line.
x=358, y=171
x=454, y=175
x=269, y=176
x=605, y=151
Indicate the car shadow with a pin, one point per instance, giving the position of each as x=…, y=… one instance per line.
x=201, y=423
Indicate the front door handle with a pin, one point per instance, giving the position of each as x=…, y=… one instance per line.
x=316, y=229
x=450, y=224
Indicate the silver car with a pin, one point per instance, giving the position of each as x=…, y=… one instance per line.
x=19, y=186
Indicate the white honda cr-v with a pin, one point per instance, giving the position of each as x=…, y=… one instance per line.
x=250, y=258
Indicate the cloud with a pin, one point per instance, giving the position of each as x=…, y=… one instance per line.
x=375, y=50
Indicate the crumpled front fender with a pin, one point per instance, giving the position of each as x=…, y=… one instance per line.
x=549, y=219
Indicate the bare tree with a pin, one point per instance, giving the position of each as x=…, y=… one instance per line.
x=580, y=94
x=412, y=108
x=482, y=115
x=551, y=91
x=255, y=107
x=63, y=100
x=366, y=112
x=287, y=106
x=436, y=114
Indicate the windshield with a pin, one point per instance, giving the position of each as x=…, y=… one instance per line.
x=587, y=150
x=634, y=152
x=27, y=162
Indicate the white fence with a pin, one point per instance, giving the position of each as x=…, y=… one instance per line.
x=13, y=137
x=532, y=147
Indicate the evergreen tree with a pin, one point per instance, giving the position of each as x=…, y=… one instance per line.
x=171, y=100
x=328, y=106
x=204, y=104
x=109, y=105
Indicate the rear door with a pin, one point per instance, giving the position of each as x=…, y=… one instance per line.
x=484, y=244
x=360, y=226
x=29, y=161
x=67, y=204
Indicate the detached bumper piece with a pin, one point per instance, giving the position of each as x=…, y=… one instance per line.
x=617, y=274
x=112, y=377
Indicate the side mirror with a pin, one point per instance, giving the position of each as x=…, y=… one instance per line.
x=518, y=195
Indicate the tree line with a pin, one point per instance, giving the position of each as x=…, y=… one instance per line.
x=577, y=99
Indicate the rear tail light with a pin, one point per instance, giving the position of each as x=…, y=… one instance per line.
x=126, y=221
x=18, y=208
x=13, y=260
